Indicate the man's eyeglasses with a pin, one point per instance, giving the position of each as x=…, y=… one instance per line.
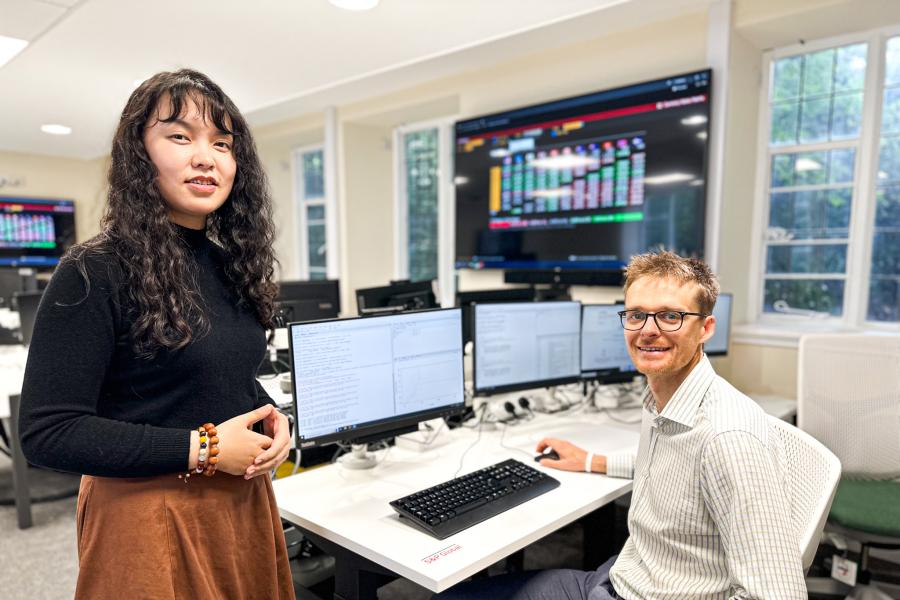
x=666, y=320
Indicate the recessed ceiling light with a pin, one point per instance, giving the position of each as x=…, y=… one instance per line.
x=355, y=4
x=9, y=47
x=55, y=129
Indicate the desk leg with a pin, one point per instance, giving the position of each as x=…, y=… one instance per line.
x=355, y=578
x=20, y=467
x=599, y=536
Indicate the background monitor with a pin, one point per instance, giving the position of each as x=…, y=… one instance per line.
x=466, y=301
x=308, y=300
x=585, y=182
x=27, y=305
x=35, y=232
x=404, y=295
x=370, y=378
x=521, y=346
x=718, y=343
x=604, y=353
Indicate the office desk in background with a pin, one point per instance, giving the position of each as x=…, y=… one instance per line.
x=12, y=372
x=347, y=512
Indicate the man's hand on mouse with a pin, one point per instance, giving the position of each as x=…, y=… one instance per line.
x=571, y=457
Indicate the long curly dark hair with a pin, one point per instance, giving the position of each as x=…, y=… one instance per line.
x=159, y=275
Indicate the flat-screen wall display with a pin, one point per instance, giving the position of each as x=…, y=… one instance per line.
x=35, y=232
x=585, y=182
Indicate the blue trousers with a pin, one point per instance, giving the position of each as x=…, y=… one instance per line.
x=553, y=584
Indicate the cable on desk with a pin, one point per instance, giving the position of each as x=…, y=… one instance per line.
x=503, y=444
x=483, y=410
x=434, y=434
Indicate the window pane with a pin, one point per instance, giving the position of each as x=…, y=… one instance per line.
x=811, y=168
x=847, y=116
x=814, y=116
x=315, y=213
x=807, y=259
x=782, y=170
x=786, y=78
x=892, y=62
x=884, y=283
x=825, y=296
x=886, y=252
x=887, y=206
x=317, y=273
x=819, y=214
x=316, y=245
x=421, y=154
x=784, y=123
x=842, y=165
x=313, y=176
x=818, y=72
x=890, y=112
x=889, y=160
x=850, y=68
x=884, y=299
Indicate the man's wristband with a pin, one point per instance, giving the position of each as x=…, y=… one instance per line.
x=587, y=462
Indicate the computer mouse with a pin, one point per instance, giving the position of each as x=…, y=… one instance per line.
x=550, y=454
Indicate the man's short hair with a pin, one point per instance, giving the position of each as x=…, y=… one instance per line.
x=668, y=265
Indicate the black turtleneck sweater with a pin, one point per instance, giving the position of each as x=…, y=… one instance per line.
x=91, y=406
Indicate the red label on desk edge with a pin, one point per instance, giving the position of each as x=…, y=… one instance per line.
x=441, y=553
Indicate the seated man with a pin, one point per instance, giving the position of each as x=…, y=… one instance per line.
x=709, y=515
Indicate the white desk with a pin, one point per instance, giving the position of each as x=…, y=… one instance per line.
x=349, y=510
x=12, y=373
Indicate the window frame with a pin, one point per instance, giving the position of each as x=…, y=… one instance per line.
x=861, y=227
x=445, y=205
x=301, y=204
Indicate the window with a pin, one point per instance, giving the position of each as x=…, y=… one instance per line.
x=309, y=189
x=831, y=230
x=418, y=199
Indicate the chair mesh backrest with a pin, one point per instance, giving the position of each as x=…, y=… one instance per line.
x=812, y=473
x=848, y=398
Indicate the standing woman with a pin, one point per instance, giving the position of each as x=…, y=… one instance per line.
x=141, y=371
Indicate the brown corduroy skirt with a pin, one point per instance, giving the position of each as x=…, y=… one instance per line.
x=216, y=538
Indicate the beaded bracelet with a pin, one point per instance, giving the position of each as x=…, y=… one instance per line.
x=209, y=468
x=208, y=456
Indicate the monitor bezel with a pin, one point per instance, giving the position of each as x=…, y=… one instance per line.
x=727, y=333
x=372, y=430
x=605, y=375
x=529, y=385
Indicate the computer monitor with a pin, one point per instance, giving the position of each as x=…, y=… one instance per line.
x=35, y=232
x=718, y=343
x=308, y=300
x=520, y=346
x=27, y=305
x=466, y=300
x=604, y=354
x=402, y=295
x=371, y=378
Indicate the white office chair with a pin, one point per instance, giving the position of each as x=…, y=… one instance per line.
x=813, y=473
x=848, y=397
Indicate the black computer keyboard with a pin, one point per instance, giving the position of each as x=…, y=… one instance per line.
x=458, y=504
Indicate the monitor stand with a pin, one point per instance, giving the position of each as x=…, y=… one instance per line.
x=359, y=458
